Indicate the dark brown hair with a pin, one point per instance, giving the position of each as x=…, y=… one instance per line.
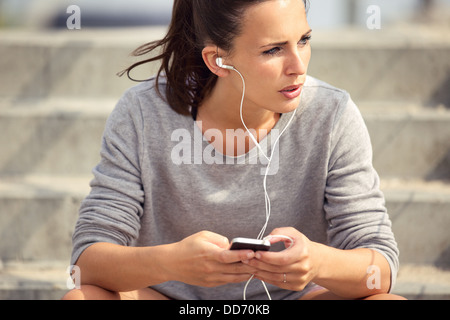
x=194, y=23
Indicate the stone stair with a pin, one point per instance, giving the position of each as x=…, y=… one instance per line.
x=58, y=87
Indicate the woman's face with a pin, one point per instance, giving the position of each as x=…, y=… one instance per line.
x=272, y=53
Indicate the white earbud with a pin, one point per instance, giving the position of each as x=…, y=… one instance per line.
x=220, y=64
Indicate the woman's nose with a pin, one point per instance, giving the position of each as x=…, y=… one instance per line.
x=297, y=63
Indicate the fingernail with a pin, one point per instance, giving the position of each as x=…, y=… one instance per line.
x=258, y=255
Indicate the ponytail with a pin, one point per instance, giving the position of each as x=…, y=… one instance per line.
x=180, y=62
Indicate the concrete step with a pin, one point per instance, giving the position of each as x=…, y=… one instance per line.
x=52, y=137
x=395, y=64
x=59, y=136
x=73, y=65
x=420, y=215
x=48, y=280
x=38, y=215
x=423, y=282
x=409, y=142
x=43, y=280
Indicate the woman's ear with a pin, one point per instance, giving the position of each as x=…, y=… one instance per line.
x=209, y=55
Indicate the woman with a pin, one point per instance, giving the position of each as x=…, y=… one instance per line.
x=173, y=187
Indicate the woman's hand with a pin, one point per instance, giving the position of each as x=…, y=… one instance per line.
x=203, y=259
x=292, y=268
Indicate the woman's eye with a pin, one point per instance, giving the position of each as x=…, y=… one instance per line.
x=276, y=50
x=304, y=41
x=272, y=51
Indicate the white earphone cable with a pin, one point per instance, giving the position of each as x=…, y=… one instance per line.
x=269, y=159
x=266, y=195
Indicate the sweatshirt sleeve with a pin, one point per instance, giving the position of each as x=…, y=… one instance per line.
x=354, y=205
x=111, y=212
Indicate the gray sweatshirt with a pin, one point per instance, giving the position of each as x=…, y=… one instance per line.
x=159, y=181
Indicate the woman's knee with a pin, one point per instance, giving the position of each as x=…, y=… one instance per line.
x=385, y=296
x=89, y=292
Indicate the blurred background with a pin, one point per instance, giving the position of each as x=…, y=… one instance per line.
x=58, y=85
x=117, y=13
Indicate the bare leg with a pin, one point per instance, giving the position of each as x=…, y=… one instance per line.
x=385, y=296
x=88, y=292
x=324, y=294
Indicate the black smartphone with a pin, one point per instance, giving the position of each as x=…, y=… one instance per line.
x=250, y=244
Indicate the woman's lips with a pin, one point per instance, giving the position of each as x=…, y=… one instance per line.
x=292, y=92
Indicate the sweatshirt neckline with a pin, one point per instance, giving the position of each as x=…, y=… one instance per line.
x=254, y=151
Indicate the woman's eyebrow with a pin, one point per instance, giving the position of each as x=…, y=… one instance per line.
x=307, y=33
x=282, y=43
x=274, y=44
